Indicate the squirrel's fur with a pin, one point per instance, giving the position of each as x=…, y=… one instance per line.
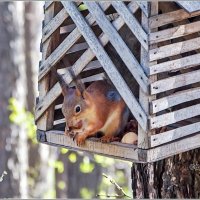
x=99, y=108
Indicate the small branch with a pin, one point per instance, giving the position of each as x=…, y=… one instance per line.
x=117, y=186
x=110, y=196
x=3, y=174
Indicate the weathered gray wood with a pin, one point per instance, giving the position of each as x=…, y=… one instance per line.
x=144, y=99
x=175, y=99
x=190, y=6
x=143, y=140
x=174, y=134
x=92, y=65
x=145, y=7
x=114, y=149
x=106, y=62
x=170, y=17
x=182, y=63
x=69, y=28
x=175, y=82
x=47, y=4
x=176, y=147
x=119, y=45
x=174, y=49
x=174, y=32
x=54, y=24
x=78, y=66
x=132, y=22
x=176, y=116
x=60, y=51
x=78, y=47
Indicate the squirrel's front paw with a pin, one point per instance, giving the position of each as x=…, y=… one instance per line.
x=80, y=140
x=108, y=139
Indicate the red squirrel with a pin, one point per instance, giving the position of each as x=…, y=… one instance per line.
x=98, y=108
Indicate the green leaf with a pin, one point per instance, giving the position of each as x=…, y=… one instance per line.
x=82, y=7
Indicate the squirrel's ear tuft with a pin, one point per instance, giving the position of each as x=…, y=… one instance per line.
x=78, y=92
x=63, y=84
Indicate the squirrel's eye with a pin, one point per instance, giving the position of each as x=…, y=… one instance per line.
x=78, y=109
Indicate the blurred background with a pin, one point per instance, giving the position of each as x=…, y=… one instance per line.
x=29, y=169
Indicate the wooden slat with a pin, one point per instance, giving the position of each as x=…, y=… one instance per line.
x=174, y=32
x=167, y=150
x=174, y=49
x=144, y=6
x=170, y=17
x=105, y=61
x=174, y=134
x=54, y=24
x=78, y=47
x=175, y=99
x=119, y=45
x=78, y=66
x=173, y=117
x=175, y=82
x=92, y=65
x=182, y=63
x=114, y=149
x=47, y=4
x=132, y=23
x=190, y=6
x=60, y=51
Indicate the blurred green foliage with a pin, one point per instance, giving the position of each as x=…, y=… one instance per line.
x=19, y=116
x=86, y=193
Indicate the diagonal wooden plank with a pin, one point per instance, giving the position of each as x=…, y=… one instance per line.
x=78, y=66
x=47, y=4
x=175, y=99
x=175, y=116
x=60, y=51
x=106, y=62
x=174, y=32
x=119, y=45
x=182, y=63
x=175, y=82
x=190, y=6
x=54, y=24
x=145, y=7
x=132, y=22
x=174, y=49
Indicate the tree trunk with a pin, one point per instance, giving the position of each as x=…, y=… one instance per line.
x=174, y=177
x=12, y=138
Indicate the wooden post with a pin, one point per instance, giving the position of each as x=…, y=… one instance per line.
x=46, y=121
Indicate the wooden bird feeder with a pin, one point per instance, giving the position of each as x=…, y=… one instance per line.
x=150, y=51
